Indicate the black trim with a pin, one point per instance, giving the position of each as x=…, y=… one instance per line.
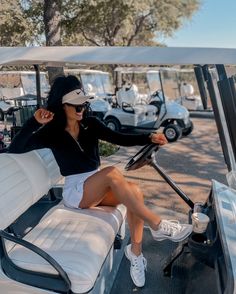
x=215, y=108
x=59, y=283
x=125, y=107
x=201, y=85
x=38, y=86
x=227, y=92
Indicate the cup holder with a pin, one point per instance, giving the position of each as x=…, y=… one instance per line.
x=199, y=238
x=200, y=247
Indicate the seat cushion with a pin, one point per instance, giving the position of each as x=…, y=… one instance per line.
x=79, y=240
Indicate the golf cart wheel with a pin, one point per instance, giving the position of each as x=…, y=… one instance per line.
x=188, y=130
x=113, y=124
x=172, y=132
x=1, y=115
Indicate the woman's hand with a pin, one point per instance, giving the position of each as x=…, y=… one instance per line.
x=158, y=138
x=43, y=116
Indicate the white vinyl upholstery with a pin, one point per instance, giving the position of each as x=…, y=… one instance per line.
x=131, y=97
x=79, y=240
x=50, y=164
x=23, y=180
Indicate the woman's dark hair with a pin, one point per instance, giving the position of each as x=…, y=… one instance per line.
x=61, y=86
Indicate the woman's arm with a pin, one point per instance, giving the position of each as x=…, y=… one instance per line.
x=31, y=136
x=124, y=139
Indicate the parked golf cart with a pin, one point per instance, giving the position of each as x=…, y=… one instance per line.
x=188, y=98
x=18, y=89
x=128, y=113
x=15, y=84
x=146, y=90
x=187, y=86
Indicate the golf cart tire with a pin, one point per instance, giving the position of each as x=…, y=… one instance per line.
x=113, y=123
x=189, y=130
x=172, y=132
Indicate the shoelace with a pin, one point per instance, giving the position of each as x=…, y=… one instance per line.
x=139, y=263
x=171, y=227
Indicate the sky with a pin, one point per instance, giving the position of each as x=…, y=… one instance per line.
x=212, y=26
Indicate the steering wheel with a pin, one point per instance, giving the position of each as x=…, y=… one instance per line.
x=142, y=157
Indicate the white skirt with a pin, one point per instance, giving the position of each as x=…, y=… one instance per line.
x=74, y=188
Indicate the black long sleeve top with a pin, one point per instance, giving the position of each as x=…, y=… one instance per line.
x=73, y=156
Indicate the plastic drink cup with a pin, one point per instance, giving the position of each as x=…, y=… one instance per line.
x=200, y=222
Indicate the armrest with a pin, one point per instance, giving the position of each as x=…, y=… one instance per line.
x=32, y=277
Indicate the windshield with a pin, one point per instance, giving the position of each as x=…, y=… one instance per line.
x=28, y=81
x=153, y=80
x=106, y=83
x=97, y=84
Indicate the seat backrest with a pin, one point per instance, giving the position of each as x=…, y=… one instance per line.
x=186, y=89
x=48, y=160
x=128, y=95
x=23, y=181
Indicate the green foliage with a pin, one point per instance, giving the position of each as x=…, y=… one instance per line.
x=125, y=22
x=107, y=149
x=15, y=28
x=100, y=22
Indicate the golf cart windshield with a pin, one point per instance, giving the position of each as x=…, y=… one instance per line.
x=153, y=80
x=97, y=84
x=28, y=81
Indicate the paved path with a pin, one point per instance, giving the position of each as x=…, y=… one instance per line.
x=191, y=162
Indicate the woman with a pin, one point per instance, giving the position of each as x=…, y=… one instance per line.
x=72, y=135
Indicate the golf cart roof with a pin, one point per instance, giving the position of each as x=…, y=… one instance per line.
x=85, y=71
x=20, y=72
x=136, y=69
x=63, y=56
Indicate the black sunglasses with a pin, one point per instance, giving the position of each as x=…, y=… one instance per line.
x=80, y=107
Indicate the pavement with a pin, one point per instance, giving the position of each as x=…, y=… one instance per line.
x=192, y=162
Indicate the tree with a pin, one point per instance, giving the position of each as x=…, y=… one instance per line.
x=124, y=22
x=90, y=22
x=52, y=24
x=15, y=28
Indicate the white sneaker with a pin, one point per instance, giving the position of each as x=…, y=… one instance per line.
x=138, y=265
x=172, y=230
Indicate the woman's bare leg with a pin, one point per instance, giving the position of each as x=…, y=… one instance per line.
x=111, y=179
x=135, y=223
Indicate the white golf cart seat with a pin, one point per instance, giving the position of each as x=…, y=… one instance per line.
x=81, y=242
x=187, y=90
x=128, y=97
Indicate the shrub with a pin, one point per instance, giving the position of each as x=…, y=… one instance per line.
x=107, y=149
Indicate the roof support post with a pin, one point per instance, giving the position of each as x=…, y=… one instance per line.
x=38, y=88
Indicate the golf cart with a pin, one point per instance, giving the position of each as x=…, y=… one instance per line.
x=189, y=87
x=146, y=91
x=15, y=84
x=18, y=91
x=188, y=99
x=63, y=250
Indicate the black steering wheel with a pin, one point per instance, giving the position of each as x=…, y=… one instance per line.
x=142, y=157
